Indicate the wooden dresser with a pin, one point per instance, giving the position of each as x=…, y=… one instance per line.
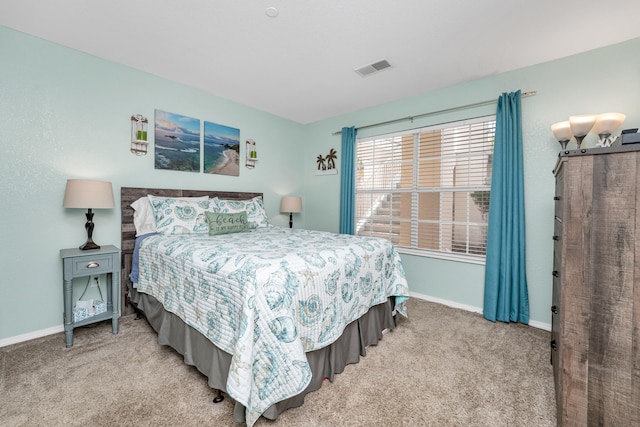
x=595, y=332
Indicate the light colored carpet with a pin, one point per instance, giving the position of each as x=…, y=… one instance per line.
x=441, y=367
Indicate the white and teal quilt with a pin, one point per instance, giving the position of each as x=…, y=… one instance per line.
x=268, y=296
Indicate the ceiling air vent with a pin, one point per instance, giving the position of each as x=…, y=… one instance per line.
x=373, y=68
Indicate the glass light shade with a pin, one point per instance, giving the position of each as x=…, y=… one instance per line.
x=607, y=123
x=562, y=131
x=582, y=124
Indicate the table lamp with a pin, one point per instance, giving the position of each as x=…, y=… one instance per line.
x=291, y=204
x=87, y=194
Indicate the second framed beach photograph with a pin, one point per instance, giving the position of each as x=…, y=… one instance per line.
x=177, y=140
x=221, y=149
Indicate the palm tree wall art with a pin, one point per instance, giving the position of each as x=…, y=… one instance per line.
x=327, y=164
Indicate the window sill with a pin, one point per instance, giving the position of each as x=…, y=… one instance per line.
x=449, y=256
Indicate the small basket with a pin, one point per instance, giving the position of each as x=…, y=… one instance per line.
x=88, y=309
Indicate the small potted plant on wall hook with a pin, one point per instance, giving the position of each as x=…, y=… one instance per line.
x=139, y=141
x=251, y=154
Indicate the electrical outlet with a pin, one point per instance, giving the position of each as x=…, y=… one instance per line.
x=95, y=280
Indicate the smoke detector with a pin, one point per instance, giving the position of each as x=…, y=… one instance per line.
x=369, y=69
x=271, y=12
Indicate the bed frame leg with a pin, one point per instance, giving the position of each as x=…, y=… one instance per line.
x=137, y=311
x=218, y=396
x=127, y=301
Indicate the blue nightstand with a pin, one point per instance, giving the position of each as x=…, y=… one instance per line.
x=78, y=263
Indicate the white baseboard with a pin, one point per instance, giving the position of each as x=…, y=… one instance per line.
x=540, y=325
x=532, y=323
x=446, y=302
x=56, y=329
x=31, y=335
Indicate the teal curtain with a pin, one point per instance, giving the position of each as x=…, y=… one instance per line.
x=347, y=182
x=506, y=296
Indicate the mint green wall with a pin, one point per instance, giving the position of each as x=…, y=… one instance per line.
x=65, y=114
x=599, y=81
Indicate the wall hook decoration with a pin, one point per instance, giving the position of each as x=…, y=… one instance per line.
x=251, y=154
x=139, y=142
x=327, y=164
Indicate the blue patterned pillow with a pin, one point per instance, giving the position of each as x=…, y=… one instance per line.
x=175, y=216
x=256, y=214
x=144, y=218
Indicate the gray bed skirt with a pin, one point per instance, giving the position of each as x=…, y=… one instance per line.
x=214, y=363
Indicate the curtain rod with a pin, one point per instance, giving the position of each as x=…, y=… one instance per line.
x=446, y=110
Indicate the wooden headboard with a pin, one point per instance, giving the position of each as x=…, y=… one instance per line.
x=129, y=195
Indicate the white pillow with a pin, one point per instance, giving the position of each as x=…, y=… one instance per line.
x=256, y=215
x=144, y=218
x=176, y=216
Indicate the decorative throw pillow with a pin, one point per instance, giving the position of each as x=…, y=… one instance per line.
x=175, y=216
x=224, y=223
x=254, y=208
x=144, y=218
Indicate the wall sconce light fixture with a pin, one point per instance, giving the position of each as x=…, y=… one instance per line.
x=139, y=141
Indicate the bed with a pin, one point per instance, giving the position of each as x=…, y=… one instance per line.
x=265, y=314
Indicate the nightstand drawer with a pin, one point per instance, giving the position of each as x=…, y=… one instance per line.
x=88, y=266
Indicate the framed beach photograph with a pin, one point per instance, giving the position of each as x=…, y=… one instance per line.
x=221, y=149
x=177, y=142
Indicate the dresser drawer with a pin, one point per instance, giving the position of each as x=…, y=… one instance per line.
x=88, y=266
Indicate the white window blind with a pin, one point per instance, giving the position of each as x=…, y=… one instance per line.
x=427, y=190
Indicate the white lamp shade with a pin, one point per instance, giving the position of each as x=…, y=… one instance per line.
x=562, y=131
x=582, y=124
x=86, y=194
x=291, y=204
x=607, y=123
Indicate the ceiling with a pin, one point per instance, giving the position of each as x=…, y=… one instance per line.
x=300, y=64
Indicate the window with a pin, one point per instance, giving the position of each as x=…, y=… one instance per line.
x=427, y=190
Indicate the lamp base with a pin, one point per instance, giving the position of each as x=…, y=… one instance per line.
x=89, y=245
x=290, y=219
